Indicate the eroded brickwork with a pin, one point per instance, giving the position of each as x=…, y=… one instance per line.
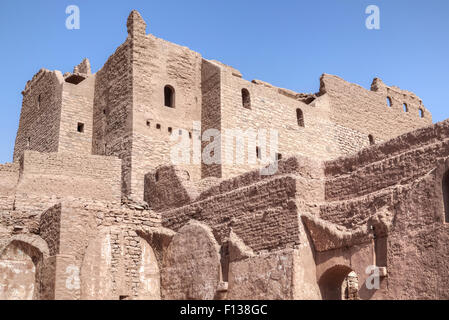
x=94, y=207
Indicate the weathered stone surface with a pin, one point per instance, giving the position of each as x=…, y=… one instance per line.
x=95, y=207
x=191, y=267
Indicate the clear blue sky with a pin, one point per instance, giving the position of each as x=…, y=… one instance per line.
x=287, y=43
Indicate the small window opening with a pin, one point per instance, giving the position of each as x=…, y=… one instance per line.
x=190, y=135
x=158, y=126
x=300, y=117
x=421, y=113
x=28, y=142
x=169, y=96
x=405, y=107
x=156, y=177
x=80, y=127
x=278, y=156
x=104, y=111
x=446, y=196
x=170, y=130
x=258, y=153
x=246, y=99
x=371, y=140
x=148, y=123
x=389, y=102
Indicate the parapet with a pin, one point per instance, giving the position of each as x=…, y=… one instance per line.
x=38, y=76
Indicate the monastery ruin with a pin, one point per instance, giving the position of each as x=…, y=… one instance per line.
x=92, y=206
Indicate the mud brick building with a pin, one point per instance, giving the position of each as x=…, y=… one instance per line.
x=92, y=206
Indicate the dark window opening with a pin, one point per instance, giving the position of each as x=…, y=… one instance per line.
x=246, y=99
x=169, y=96
x=258, y=153
x=170, y=130
x=278, y=156
x=156, y=177
x=421, y=113
x=75, y=79
x=123, y=297
x=389, y=102
x=190, y=135
x=148, y=123
x=405, y=107
x=371, y=139
x=158, y=126
x=104, y=111
x=446, y=196
x=80, y=127
x=300, y=117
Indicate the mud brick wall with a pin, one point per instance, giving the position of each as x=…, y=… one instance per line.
x=50, y=228
x=263, y=215
x=112, y=112
x=77, y=107
x=157, y=63
x=79, y=227
x=414, y=155
x=367, y=112
x=275, y=108
x=9, y=176
x=40, y=115
x=47, y=177
x=211, y=111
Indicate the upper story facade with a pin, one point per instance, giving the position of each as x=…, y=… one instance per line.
x=150, y=91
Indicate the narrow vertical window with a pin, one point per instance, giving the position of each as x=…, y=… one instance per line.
x=389, y=102
x=246, y=99
x=300, y=117
x=405, y=107
x=446, y=196
x=80, y=127
x=258, y=153
x=421, y=113
x=371, y=139
x=169, y=96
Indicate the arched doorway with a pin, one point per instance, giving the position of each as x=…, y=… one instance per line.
x=149, y=275
x=339, y=283
x=20, y=264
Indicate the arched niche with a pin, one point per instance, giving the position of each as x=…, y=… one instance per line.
x=339, y=282
x=21, y=264
x=149, y=275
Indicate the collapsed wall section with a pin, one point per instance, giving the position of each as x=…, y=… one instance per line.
x=397, y=189
x=383, y=112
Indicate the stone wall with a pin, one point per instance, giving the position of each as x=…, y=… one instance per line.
x=157, y=63
x=46, y=178
x=40, y=115
x=112, y=112
x=77, y=117
x=9, y=176
x=367, y=112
